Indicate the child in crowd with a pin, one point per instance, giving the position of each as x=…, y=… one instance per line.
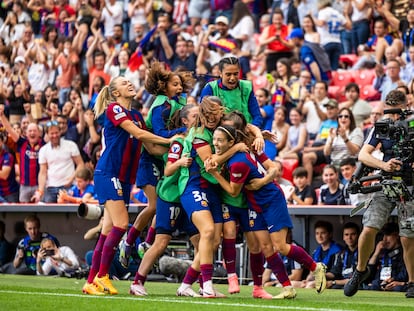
x=82, y=191
x=331, y=192
x=304, y=193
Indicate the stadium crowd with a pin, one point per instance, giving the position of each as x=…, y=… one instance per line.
x=320, y=72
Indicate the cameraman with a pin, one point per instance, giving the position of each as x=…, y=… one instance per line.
x=380, y=208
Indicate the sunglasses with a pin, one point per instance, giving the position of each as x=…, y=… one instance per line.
x=52, y=123
x=343, y=116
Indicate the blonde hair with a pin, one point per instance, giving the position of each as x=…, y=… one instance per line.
x=105, y=97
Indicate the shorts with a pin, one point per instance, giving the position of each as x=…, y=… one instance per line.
x=379, y=210
x=196, y=199
x=150, y=170
x=256, y=221
x=237, y=214
x=199, y=9
x=26, y=193
x=321, y=158
x=275, y=214
x=172, y=216
x=109, y=187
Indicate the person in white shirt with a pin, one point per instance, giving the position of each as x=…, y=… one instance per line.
x=112, y=14
x=50, y=257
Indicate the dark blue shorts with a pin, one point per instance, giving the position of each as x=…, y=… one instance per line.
x=196, y=199
x=274, y=217
x=237, y=214
x=150, y=170
x=172, y=216
x=111, y=188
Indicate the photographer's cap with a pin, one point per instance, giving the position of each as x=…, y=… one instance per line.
x=331, y=103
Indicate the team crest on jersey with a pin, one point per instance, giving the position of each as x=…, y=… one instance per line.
x=119, y=113
x=176, y=148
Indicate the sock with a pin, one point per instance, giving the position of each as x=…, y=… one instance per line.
x=191, y=276
x=275, y=263
x=109, y=249
x=206, y=272
x=298, y=254
x=133, y=234
x=229, y=254
x=139, y=277
x=256, y=266
x=96, y=258
x=150, y=236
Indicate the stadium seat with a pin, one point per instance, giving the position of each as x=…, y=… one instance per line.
x=348, y=59
x=289, y=166
x=364, y=77
x=341, y=78
x=337, y=93
x=368, y=92
x=260, y=82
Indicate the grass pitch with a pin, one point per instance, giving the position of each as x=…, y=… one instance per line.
x=54, y=293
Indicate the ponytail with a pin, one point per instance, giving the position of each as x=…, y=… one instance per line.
x=104, y=98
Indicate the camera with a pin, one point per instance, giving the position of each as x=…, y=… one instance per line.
x=49, y=252
x=90, y=211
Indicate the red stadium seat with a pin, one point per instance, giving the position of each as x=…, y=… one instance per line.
x=364, y=77
x=368, y=92
x=341, y=78
x=348, y=59
x=337, y=93
x=289, y=166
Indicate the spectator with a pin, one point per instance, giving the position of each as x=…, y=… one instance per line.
x=121, y=69
x=283, y=182
x=181, y=56
x=327, y=248
x=387, y=263
x=300, y=87
x=199, y=12
x=25, y=44
x=242, y=26
x=58, y=160
x=163, y=39
x=90, y=138
x=313, y=108
x=297, y=136
x=312, y=55
x=68, y=130
x=280, y=127
x=52, y=259
x=275, y=38
x=407, y=70
x=303, y=193
x=345, y=261
x=309, y=29
x=68, y=61
x=138, y=10
x=11, y=30
x=360, y=16
x=9, y=188
x=28, y=146
x=5, y=247
x=330, y=23
x=360, y=108
x=25, y=259
x=348, y=167
x=267, y=111
x=111, y=15
x=386, y=82
x=82, y=191
x=331, y=192
x=346, y=140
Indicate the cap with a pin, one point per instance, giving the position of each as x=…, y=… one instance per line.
x=19, y=59
x=222, y=19
x=296, y=33
x=331, y=103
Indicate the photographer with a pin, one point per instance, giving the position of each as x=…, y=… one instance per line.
x=381, y=206
x=52, y=258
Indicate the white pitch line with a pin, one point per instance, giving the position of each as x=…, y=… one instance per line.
x=178, y=300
